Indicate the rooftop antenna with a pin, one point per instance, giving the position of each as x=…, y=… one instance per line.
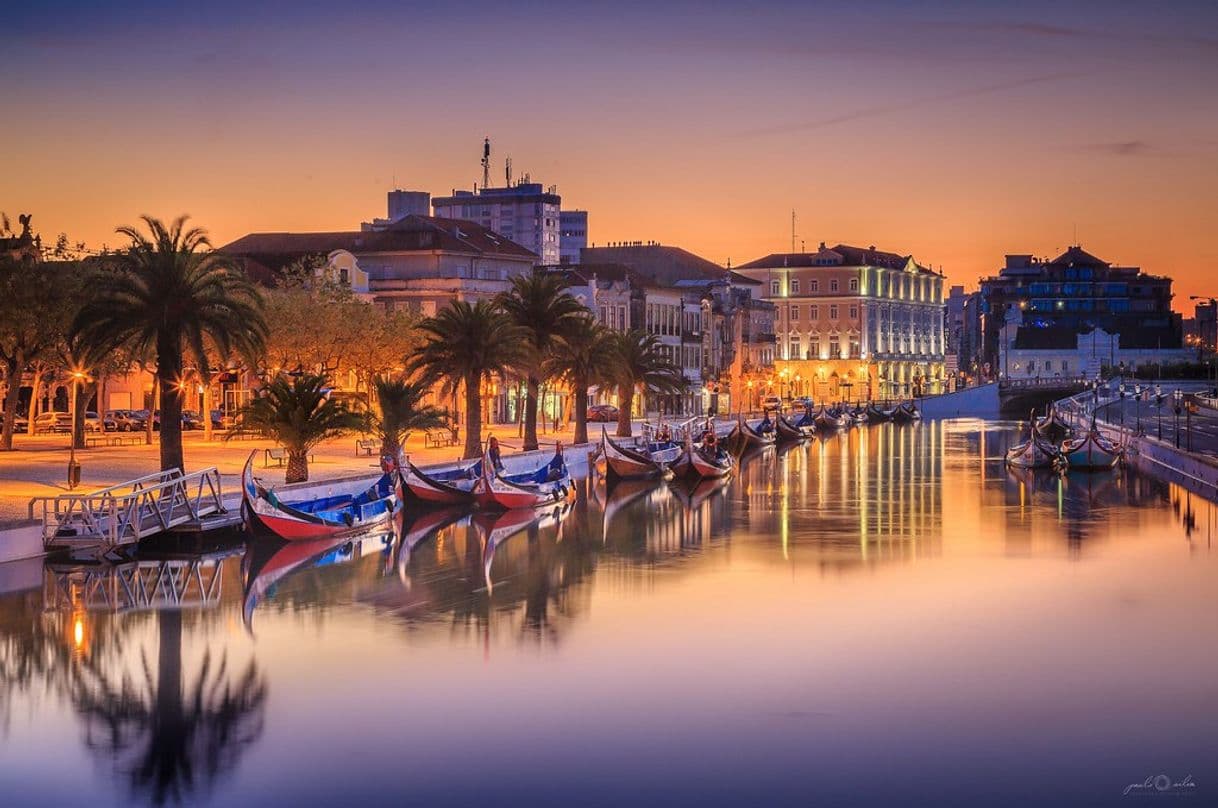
x=507, y=170
x=486, y=164
x=792, y=229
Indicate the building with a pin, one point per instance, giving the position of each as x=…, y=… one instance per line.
x=1035, y=304
x=523, y=213
x=854, y=323
x=572, y=236
x=1205, y=319
x=400, y=205
x=419, y=263
x=658, y=263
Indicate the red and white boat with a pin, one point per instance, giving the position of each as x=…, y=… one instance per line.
x=549, y=484
x=624, y=463
x=322, y=517
x=1034, y=453
x=705, y=462
x=453, y=487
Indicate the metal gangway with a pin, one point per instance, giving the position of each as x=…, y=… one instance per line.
x=123, y=514
x=167, y=583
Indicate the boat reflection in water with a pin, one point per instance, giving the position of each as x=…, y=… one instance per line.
x=875, y=581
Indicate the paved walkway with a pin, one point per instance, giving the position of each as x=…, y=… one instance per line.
x=38, y=465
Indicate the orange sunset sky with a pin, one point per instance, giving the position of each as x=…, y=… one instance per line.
x=955, y=132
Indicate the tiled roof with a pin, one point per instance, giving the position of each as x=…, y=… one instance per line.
x=1076, y=256
x=657, y=263
x=840, y=254
x=411, y=234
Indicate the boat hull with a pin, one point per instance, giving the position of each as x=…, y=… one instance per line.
x=425, y=489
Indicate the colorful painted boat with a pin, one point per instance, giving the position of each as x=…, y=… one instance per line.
x=905, y=412
x=1034, y=453
x=1091, y=452
x=624, y=463
x=875, y=415
x=827, y=420
x=451, y=487
x=706, y=462
x=859, y=414
x=496, y=528
x=745, y=436
x=322, y=517
x=787, y=431
x=549, y=484
x=1053, y=427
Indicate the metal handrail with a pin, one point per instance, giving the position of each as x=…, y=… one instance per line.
x=115, y=518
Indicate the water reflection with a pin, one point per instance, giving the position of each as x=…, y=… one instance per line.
x=157, y=661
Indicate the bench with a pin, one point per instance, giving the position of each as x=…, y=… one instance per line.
x=439, y=438
x=113, y=440
x=279, y=455
x=365, y=446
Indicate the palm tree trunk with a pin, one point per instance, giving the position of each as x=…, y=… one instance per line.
x=625, y=413
x=298, y=466
x=35, y=394
x=473, y=417
x=390, y=446
x=581, y=413
x=169, y=374
x=12, y=370
x=207, y=427
x=530, y=413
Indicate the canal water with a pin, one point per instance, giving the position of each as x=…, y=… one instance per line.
x=886, y=617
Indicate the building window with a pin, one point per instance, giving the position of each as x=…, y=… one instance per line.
x=833, y=312
x=833, y=285
x=775, y=288
x=794, y=286
x=813, y=312
x=854, y=284
x=835, y=347
x=795, y=312
x=854, y=312
x=795, y=354
x=815, y=286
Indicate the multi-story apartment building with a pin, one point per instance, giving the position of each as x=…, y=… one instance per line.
x=418, y=263
x=854, y=323
x=524, y=213
x=572, y=236
x=1034, y=304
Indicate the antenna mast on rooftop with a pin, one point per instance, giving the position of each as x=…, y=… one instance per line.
x=486, y=163
x=507, y=170
x=792, y=229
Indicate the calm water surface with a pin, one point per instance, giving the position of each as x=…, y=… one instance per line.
x=884, y=618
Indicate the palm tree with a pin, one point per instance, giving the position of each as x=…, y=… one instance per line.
x=298, y=414
x=639, y=365
x=464, y=345
x=539, y=304
x=172, y=736
x=170, y=293
x=582, y=358
x=401, y=410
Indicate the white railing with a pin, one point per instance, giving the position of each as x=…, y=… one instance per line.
x=170, y=583
x=125, y=513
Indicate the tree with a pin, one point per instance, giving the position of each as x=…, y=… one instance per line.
x=639, y=366
x=582, y=358
x=400, y=410
x=170, y=294
x=298, y=414
x=539, y=304
x=464, y=345
x=35, y=309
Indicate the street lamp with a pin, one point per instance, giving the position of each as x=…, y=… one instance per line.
x=1159, y=408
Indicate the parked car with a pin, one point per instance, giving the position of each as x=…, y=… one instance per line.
x=20, y=422
x=771, y=403
x=95, y=423
x=53, y=422
x=191, y=420
x=125, y=420
x=602, y=412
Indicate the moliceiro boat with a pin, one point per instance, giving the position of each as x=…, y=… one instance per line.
x=747, y=437
x=548, y=484
x=905, y=412
x=1091, y=452
x=827, y=419
x=786, y=430
x=453, y=487
x=625, y=463
x=1034, y=453
x=1053, y=426
x=706, y=461
x=875, y=415
x=321, y=517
